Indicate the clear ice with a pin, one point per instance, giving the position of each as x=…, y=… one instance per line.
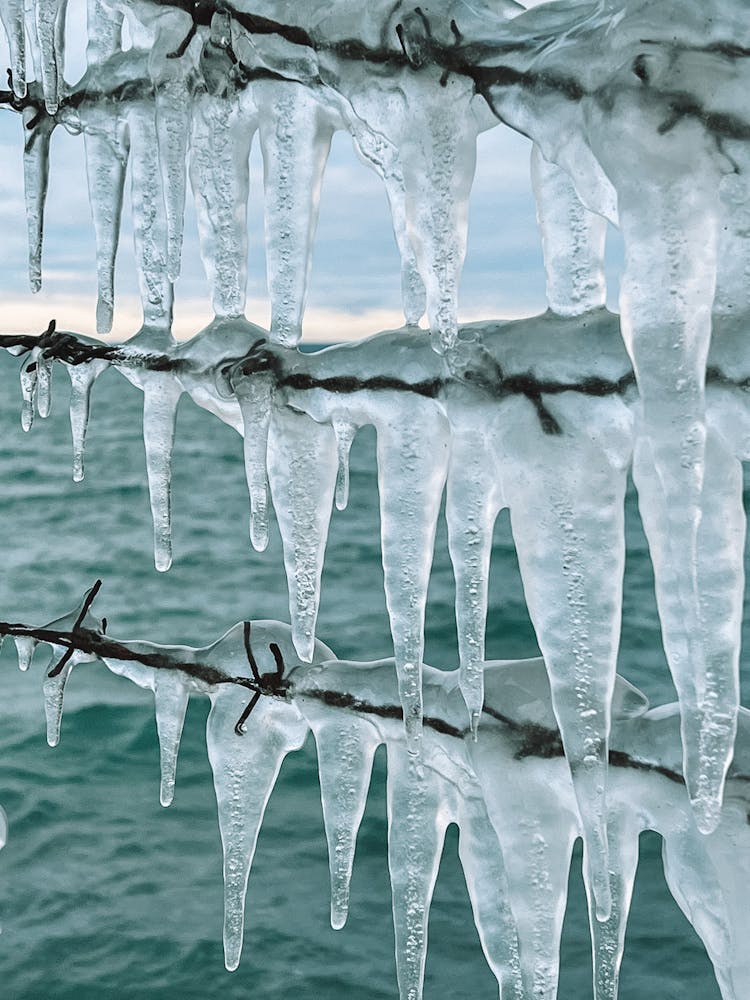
x=535, y=400
x=509, y=791
x=636, y=112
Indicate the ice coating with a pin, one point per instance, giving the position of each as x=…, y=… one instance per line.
x=546, y=379
x=423, y=147
x=510, y=793
x=423, y=798
x=666, y=172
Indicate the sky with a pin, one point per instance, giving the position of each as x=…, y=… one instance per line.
x=355, y=284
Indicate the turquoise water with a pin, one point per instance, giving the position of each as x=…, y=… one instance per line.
x=104, y=894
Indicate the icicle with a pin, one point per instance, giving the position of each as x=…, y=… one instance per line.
x=295, y=134
x=161, y=394
x=37, y=134
x=106, y=162
x=487, y=883
x=50, y=27
x=412, y=456
x=416, y=830
x=345, y=432
x=533, y=812
x=383, y=156
x=171, y=697
x=3, y=828
x=708, y=698
x=54, y=694
x=149, y=221
x=28, y=390
x=302, y=473
x=173, y=115
x=573, y=241
x=104, y=31
x=608, y=937
x=82, y=378
x=438, y=151
x=25, y=647
x=222, y=131
x=58, y=670
x=12, y=17
x=255, y=395
x=670, y=235
x=569, y=536
x=346, y=748
x=692, y=880
x=473, y=501
x=245, y=770
x=43, y=385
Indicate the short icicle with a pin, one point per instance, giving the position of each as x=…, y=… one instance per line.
x=255, y=395
x=54, y=694
x=28, y=390
x=171, y=696
x=346, y=748
x=345, y=432
x=82, y=378
x=25, y=647
x=43, y=385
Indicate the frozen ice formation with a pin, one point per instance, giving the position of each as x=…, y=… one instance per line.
x=536, y=401
x=509, y=792
x=637, y=116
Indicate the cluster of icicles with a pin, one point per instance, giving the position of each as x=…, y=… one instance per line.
x=509, y=792
x=637, y=113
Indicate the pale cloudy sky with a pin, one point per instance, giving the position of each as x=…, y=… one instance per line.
x=354, y=287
